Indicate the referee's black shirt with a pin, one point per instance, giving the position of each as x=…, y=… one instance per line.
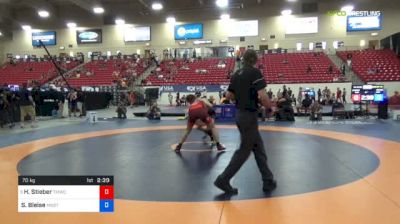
x=245, y=84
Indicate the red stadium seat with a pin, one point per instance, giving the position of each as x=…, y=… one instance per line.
x=385, y=61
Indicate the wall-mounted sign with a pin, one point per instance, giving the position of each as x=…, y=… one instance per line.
x=364, y=21
x=48, y=38
x=243, y=28
x=197, y=42
x=302, y=25
x=188, y=31
x=89, y=36
x=133, y=34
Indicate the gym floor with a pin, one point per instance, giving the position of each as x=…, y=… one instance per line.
x=327, y=172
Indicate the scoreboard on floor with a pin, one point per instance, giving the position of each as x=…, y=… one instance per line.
x=66, y=194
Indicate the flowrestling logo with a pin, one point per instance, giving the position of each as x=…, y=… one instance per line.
x=189, y=31
x=89, y=36
x=353, y=13
x=182, y=31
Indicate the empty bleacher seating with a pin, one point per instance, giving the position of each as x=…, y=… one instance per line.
x=21, y=72
x=102, y=72
x=213, y=74
x=374, y=65
x=292, y=68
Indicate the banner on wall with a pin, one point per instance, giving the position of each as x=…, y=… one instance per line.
x=133, y=34
x=89, y=36
x=193, y=88
x=364, y=22
x=302, y=25
x=243, y=28
x=188, y=31
x=48, y=38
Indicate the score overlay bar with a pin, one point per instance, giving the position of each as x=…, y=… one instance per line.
x=65, y=194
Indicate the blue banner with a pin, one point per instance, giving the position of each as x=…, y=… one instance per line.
x=48, y=38
x=361, y=22
x=194, y=88
x=188, y=31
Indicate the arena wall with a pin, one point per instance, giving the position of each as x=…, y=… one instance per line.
x=163, y=100
x=331, y=28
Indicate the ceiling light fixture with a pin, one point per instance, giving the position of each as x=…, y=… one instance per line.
x=374, y=34
x=71, y=25
x=222, y=3
x=157, y=6
x=43, y=13
x=26, y=27
x=286, y=12
x=98, y=10
x=1, y=34
x=225, y=17
x=171, y=19
x=119, y=22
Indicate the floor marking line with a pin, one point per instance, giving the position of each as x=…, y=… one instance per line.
x=222, y=212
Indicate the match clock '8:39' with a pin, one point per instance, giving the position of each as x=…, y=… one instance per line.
x=103, y=180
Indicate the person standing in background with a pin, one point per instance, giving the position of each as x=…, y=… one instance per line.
x=270, y=93
x=289, y=92
x=339, y=95
x=299, y=96
x=27, y=106
x=72, y=102
x=319, y=93
x=170, y=98
x=132, y=99
x=247, y=87
x=178, y=99
x=344, y=93
x=80, y=102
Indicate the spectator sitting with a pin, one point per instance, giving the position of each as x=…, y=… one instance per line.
x=305, y=104
x=212, y=100
x=330, y=69
x=121, y=109
x=221, y=64
x=183, y=100
x=285, y=110
x=309, y=69
x=154, y=112
x=337, y=109
x=224, y=100
x=185, y=67
x=315, y=109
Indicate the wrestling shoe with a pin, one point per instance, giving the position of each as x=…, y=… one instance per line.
x=220, y=147
x=178, y=147
x=225, y=186
x=269, y=185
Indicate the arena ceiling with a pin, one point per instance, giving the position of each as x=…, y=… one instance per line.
x=14, y=13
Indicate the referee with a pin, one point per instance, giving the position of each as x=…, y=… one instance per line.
x=247, y=88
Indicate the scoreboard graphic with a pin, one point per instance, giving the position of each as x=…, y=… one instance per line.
x=66, y=194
